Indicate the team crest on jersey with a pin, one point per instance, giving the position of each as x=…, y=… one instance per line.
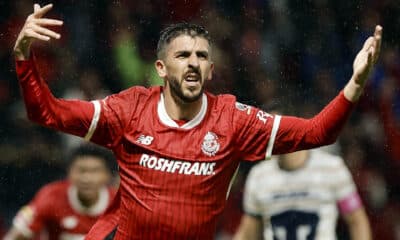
x=210, y=145
x=241, y=106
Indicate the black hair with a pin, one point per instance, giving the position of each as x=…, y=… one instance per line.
x=89, y=149
x=173, y=31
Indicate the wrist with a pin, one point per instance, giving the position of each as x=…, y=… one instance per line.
x=352, y=91
x=21, y=54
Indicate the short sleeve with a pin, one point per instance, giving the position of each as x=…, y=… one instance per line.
x=344, y=185
x=111, y=116
x=251, y=204
x=256, y=131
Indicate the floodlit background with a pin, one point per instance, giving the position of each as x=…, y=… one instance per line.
x=293, y=53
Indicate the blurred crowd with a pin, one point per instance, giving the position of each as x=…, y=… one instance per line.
x=294, y=53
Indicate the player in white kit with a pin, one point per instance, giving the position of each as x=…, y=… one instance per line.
x=298, y=196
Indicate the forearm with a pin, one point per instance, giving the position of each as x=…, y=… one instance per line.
x=352, y=91
x=296, y=134
x=14, y=234
x=42, y=107
x=359, y=227
x=250, y=228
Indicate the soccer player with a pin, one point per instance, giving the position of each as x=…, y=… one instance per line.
x=298, y=195
x=67, y=209
x=177, y=146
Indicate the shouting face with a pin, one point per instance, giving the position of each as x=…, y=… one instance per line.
x=185, y=67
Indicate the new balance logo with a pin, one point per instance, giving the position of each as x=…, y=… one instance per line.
x=145, y=140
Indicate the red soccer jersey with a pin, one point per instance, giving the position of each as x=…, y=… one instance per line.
x=57, y=210
x=174, y=179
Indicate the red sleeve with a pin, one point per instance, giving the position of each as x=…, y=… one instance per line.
x=297, y=133
x=112, y=115
x=99, y=121
x=31, y=219
x=70, y=116
x=254, y=128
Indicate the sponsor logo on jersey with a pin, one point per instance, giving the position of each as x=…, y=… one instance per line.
x=176, y=166
x=145, y=140
x=210, y=145
x=263, y=116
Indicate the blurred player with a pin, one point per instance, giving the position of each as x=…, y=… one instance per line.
x=68, y=209
x=177, y=146
x=297, y=196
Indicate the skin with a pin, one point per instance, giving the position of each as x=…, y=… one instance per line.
x=185, y=69
x=182, y=99
x=185, y=74
x=89, y=174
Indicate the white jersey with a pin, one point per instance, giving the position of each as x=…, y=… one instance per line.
x=299, y=204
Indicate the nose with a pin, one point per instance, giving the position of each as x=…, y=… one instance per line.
x=193, y=61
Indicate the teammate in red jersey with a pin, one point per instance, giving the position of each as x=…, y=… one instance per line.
x=68, y=209
x=177, y=146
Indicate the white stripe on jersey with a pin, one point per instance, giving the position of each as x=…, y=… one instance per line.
x=274, y=131
x=232, y=180
x=95, y=120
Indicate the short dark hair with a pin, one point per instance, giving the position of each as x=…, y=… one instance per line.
x=92, y=150
x=173, y=31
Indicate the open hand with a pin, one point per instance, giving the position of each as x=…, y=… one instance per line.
x=367, y=57
x=35, y=28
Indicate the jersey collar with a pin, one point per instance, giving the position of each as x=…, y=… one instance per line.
x=98, y=208
x=165, y=119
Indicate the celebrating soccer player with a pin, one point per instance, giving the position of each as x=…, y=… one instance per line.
x=177, y=146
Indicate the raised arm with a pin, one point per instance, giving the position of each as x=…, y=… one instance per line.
x=362, y=65
x=99, y=121
x=295, y=134
x=42, y=107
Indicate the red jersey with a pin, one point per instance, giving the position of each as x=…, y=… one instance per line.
x=175, y=179
x=57, y=209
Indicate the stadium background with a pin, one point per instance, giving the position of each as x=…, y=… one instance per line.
x=293, y=53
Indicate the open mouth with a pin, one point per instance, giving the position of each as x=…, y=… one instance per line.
x=192, y=77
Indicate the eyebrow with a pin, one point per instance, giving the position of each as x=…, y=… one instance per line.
x=205, y=53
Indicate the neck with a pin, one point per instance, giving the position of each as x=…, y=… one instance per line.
x=179, y=110
x=293, y=161
x=88, y=201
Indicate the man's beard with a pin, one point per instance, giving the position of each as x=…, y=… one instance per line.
x=177, y=92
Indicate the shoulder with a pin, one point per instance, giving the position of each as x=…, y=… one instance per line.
x=320, y=158
x=57, y=186
x=221, y=100
x=52, y=191
x=261, y=169
x=135, y=92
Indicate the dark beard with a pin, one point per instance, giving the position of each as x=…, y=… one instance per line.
x=177, y=93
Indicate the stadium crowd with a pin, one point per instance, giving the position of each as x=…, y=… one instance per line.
x=297, y=53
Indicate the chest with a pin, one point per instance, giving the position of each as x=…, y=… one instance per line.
x=297, y=190
x=67, y=222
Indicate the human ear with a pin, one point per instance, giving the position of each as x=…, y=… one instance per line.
x=161, y=68
x=209, y=77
